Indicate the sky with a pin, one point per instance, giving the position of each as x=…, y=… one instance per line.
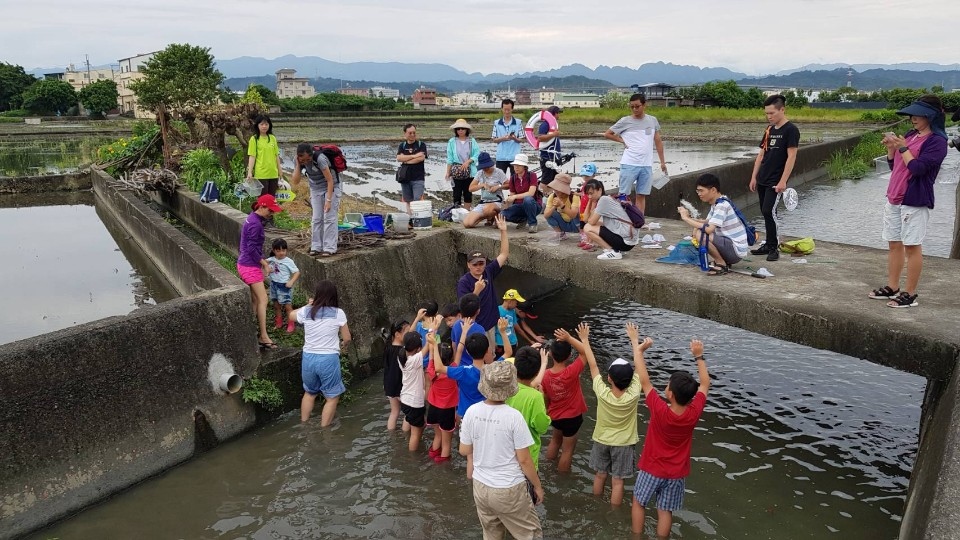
x=750, y=36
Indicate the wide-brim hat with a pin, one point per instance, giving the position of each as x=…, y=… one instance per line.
x=461, y=123
x=920, y=108
x=498, y=381
x=561, y=183
x=484, y=161
x=521, y=159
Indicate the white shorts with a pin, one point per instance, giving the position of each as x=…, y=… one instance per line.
x=906, y=224
x=479, y=208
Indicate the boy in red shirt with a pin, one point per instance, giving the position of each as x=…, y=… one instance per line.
x=565, y=402
x=665, y=460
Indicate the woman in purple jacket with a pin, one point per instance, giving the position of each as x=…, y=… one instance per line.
x=914, y=160
x=251, y=265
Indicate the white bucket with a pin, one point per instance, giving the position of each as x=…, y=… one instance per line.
x=422, y=218
x=400, y=221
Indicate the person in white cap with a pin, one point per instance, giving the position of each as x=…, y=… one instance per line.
x=525, y=200
x=496, y=442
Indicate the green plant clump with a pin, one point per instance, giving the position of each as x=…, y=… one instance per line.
x=855, y=163
x=263, y=392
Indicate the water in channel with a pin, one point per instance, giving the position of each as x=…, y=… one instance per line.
x=70, y=264
x=795, y=443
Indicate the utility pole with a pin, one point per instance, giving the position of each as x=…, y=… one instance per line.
x=87, y=61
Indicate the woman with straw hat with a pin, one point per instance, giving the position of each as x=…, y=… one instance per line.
x=563, y=208
x=462, y=154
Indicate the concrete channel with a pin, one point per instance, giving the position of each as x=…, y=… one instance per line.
x=116, y=401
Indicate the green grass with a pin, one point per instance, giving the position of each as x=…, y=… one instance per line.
x=856, y=163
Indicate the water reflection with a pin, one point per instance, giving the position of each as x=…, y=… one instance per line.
x=33, y=156
x=795, y=443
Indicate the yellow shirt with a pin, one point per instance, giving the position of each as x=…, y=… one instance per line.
x=574, y=201
x=266, y=150
x=616, y=416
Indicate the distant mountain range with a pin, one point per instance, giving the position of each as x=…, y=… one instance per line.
x=910, y=66
x=871, y=79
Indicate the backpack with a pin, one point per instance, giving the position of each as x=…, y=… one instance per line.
x=751, y=230
x=334, y=155
x=447, y=213
x=803, y=246
x=210, y=192
x=634, y=213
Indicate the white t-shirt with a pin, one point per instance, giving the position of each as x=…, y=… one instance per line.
x=322, y=334
x=411, y=391
x=728, y=224
x=638, y=135
x=496, y=433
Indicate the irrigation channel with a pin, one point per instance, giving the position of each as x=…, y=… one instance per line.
x=795, y=443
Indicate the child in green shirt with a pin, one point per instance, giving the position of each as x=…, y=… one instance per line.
x=528, y=400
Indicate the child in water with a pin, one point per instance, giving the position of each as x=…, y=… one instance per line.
x=411, y=393
x=324, y=328
x=392, y=375
x=565, y=402
x=443, y=398
x=283, y=274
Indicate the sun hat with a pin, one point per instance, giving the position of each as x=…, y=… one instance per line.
x=267, y=201
x=588, y=169
x=561, y=183
x=933, y=114
x=521, y=159
x=498, y=381
x=484, y=161
x=461, y=123
x=513, y=294
x=476, y=256
x=620, y=372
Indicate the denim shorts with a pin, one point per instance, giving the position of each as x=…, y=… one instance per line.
x=412, y=190
x=321, y=374
x=669, y=492
x=280, y=293
x=907, y=224
x=636, y=177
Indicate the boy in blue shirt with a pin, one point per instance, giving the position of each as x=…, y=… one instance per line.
x=283, y=274
x=508, y=310
x=471, y=352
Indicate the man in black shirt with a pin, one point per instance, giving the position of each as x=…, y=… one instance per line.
x=772, y=169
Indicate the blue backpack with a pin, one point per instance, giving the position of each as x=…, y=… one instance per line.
x=210, y=192
x=751, y=230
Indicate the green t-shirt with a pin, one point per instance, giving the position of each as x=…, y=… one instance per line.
x=530, y=404
x=266, y=150
x=616, y=416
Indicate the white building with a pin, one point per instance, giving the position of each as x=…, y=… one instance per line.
x=130, y=72
x=289, y=85
x=82, y=77
x=468, y=99
x=384, y=92
x=577, y=100
x=545, y=97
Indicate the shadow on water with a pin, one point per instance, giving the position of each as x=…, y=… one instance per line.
x=795, y=443
x=71, y=263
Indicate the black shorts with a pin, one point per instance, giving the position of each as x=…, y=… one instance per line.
x=568, y=426
x=413, y=415
x=504, y=166
x=445, y=419
x=615, y=240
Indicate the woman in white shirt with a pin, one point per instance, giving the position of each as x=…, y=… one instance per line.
x=324, y=326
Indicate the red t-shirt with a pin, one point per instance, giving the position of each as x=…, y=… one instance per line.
x=519, y=185
x=443, y=392
x=584, y=201
x=564, y=391
x=666, y=447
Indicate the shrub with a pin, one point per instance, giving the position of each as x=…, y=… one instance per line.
x=263, y=392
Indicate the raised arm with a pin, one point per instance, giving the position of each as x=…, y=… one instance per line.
x=535, y=383
x=504, y=240
x=696, y=347
x=583, y=330
x=562, y=335
x=502, y=324
x=639, y=365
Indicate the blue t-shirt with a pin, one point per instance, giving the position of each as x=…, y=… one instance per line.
x=507, y=150
x=423, y=338
x=455, y=332
x=550, y=151
x=468, y=384
x=511, y=316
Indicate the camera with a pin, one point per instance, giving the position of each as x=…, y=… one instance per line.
x=954, y=143
x=555, y=164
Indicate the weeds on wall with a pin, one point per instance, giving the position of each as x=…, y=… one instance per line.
x=263, y=392
x=857, y=162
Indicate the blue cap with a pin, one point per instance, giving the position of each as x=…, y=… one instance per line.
x=484, y=161
x=936, y=116
x=588, y=169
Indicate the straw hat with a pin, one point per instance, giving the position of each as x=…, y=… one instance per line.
x=461, y=123
x=521, y=159
x=561, y=183
x=498, y=381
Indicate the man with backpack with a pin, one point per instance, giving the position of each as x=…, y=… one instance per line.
x=322, y=165
x=609, y=224
x=726, y=235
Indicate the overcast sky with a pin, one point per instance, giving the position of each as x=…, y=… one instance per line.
x=751, y=36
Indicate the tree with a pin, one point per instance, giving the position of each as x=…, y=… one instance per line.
x=99, y=97
x=794, y=100
x=268, y=96
x=13, y=82
x=613, y=100
x=178, y=77
x=49, y=96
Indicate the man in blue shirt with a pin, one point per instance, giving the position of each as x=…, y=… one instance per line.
x=508, y=134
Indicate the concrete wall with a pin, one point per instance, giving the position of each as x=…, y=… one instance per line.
x=92, y=409
x=47, y=183
x=735, y=178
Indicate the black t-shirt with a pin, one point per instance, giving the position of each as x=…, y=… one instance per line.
x=775, y=156
x=417, y=171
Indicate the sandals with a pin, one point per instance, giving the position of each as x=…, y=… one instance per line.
x=268, y=346
x=718, y=270
x=884, y=293
x=903, y=299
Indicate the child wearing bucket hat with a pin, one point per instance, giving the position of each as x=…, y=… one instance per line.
x=496, y=442
x=563, y=207
x=490, y=182
x=462, y=155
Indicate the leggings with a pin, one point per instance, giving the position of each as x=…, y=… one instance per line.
x=461, y=191
x=768, y=207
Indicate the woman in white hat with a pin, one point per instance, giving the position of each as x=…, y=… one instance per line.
x=462, y=154
x=563, y=208
x=525, y=198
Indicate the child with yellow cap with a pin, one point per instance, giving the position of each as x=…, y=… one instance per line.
x=508, y=310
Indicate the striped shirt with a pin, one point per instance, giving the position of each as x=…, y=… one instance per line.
x=723, y=216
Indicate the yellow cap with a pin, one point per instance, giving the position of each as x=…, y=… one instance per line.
x=513, y=294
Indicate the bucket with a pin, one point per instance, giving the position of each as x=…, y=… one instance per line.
x=400, y=221
x=373, y=223
x=353, y=219
x=422, y=218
